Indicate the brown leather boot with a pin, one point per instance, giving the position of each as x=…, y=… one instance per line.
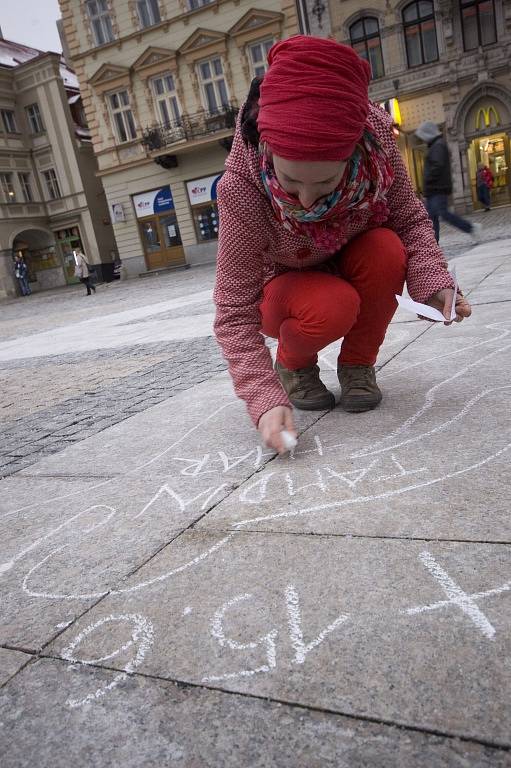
x=305, y=389
x=359, y=390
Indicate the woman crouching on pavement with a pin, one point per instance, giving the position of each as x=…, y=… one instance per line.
x=319, y=229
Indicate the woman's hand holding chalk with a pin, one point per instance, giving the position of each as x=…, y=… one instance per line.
x=277, y=429
x=289, y=441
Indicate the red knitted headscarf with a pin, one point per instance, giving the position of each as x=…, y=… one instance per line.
x=314, y=100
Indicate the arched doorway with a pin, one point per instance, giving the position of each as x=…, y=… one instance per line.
x=484, y=117
x=37, y=246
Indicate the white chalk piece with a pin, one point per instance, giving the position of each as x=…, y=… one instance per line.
x=290, y=442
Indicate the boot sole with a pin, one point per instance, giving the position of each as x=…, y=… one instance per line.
x=324, y=405
x=360, y=406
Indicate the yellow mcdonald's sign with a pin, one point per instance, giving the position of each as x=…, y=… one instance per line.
x=484, y=116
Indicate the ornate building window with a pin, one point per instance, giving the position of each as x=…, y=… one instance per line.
x=148, y=12
x=26, y=187
x=9, y=120
x=420, y=33
x=211, y=76
x=257, y=53
x=101, y=21
x=7, y=187
x=167, y=105
x=365, y=39
x=478, y=21
x=122, y=116
x=34, y=119
x=52, y=184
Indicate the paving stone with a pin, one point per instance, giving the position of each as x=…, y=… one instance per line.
x=381, y=629
x=389, y=472
x=158, y=723
x=11, y=662
x=24, y=450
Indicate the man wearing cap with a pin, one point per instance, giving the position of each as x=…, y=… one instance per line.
x=438, y=182
x=319, y=228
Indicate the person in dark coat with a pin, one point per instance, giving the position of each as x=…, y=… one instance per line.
x=21, y=273
x=438, y=182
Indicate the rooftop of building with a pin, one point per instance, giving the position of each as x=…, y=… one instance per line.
x=14, y=54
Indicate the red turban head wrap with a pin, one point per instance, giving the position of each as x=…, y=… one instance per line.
x=314, y=100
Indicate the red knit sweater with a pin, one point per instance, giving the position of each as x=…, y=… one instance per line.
x=253, y=247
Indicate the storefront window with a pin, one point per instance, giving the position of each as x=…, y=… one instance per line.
x=202, y=197
x=206, y=222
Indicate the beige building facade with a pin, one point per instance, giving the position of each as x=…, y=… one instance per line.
x=51, y=201
x=439, y=60
x=162, y=81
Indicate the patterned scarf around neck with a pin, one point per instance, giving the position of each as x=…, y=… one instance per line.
x=364, y=185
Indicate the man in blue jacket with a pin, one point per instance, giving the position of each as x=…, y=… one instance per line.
x=21, y=273
x=438, y=182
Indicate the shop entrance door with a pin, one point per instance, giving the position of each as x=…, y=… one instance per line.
x=494, y=152
x=161, y=240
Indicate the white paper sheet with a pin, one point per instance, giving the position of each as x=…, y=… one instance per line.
x=425, y=310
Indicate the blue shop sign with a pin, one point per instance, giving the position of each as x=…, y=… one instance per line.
x=155, y=201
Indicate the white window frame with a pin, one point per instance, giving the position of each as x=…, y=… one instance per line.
x=148, y=13
x=213, y=82
x=123, y=119
x=51, y=183
x=26, y=186
x=7, y=185
x=9, y=120
x=167, y=102
x=194, y=5
x=256, y=67
x=100, y=21
x=34, y=118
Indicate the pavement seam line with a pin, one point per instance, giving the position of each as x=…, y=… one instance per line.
x=290, y=703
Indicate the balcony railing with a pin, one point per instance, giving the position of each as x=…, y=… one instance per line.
x=196, y=126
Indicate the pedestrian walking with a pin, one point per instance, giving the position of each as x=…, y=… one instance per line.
x=438, y=182
x=484, y=184
x=319, y=228
x=21, y=273
x=83, y=272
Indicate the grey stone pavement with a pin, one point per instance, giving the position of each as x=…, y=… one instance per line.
x=171, y=593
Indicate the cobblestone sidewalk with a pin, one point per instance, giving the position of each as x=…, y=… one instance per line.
x=50, y=403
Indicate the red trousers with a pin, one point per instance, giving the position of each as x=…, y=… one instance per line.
x=307, y=310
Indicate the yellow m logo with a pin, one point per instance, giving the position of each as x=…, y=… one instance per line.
x=484, y=117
